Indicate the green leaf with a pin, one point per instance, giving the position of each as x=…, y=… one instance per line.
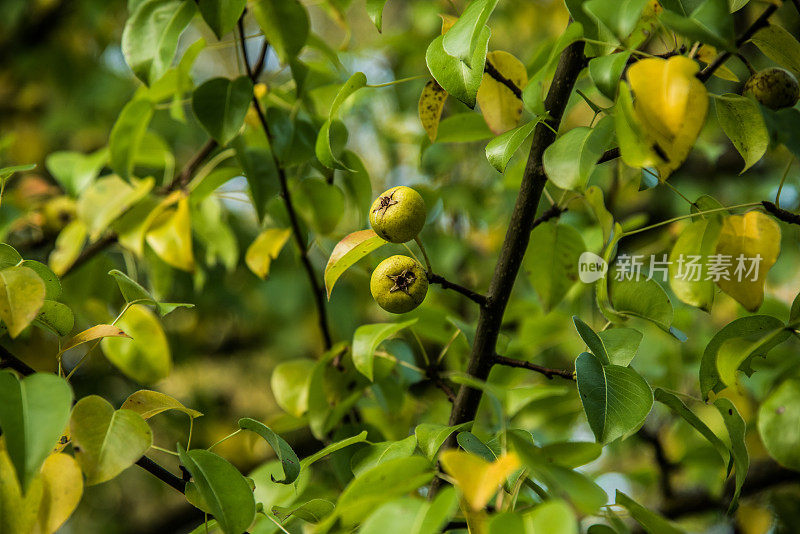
x=52, y=285
x=331, y=139
x=133, y=292
x=108, y=198
x=146, y=358
x=347, y=252
x=321, y=204
x=325, y=145
x=381, y=483
x=697, y=242
x=127, y=135
x=7, y=172
x=634, y=147
x=455, y=76
x=587, y=496
x=572, y=454
x=463, y=128
x=500, y=149
x=746, y=329
x=375, y=454
x=779, y=45
x=56, y=317
x=677, y=406
x=221, y=15
x=779, y=423
x=741, y=120
x=570, y=160
x=34, y=412
x=312, y=511
x=733, y=353
x=9, y=257
x=22, y=294
x=366, y=340
x=710, y=23
x=408, y=515
x=616, y=399
x=736, y=430
x=462, y=40
x=220, y=106
x=67, y=247
x=642, y=298
x=552, y=261
x=651, y=521
x=106, y=441
x=431, y=436
x=151, y=34
x=621, y=344
x=285, y=454
x=470, y=443
x=262, y=176
x=285, y=25
x=222, y=487
x=375, y=12
x=619, y=17
x=592, y=340
x=75, y=171
x=150, y=403
x=555, y=517
x=606, y=71
x=533, y=94
x=289, y=385
x=305, y=463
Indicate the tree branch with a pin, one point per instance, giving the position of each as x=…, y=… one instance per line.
x=494, y=73
x=781, y=214
x=760, y=22
x=316, y=287
x=550, y=213
x=546, y=371
x=470, y=294
x=534, y=178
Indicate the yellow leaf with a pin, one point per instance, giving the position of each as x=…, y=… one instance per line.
x=750, y=236
x=171, y=237
x=63, y=488
x=707, y=54
x=134, y=224
x=17, y=511
x=431, y=104
x=95, y=332
x=68, y=247
x=501, y=108
x=671, y=105
x=264, y=249
x=148, y=403
x=447, y=22
x=475, y=477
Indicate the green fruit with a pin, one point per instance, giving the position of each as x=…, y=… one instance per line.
x=398, y=214
x=775, y=88
x=398, y=284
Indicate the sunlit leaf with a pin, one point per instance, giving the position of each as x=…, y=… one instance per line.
x=677, y=406
x=148, y=403
x=500, y=150
x=431, y=436
x=606, y=71
x=366, y=340
x=22, y=294
x=455, y=76
x=552, y=261
x=107, y=441
x=19, y=509
x=779, y=45
x=477, y=479
x=464, y=37
x=62, y=482
x=431, y=104
x=146, y=357
x=312, y=511
x=377, y=453
x=289, y=385
x=695, y=244
x=68, y=247
x=108, y=198
x=347, y=252
x=171, y=237
x=500, y=107
x=75, y=171
x=56, y=317
x=285, y=25
x=570, y=160
x=266, y=248
x=127, y=134
x=91, y=334
x=779, y=423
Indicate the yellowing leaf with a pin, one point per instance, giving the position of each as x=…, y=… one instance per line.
x=171, y=237
x=671, y=105
x=17, y=511
x=95, y=332
x=264, y=249
x=134, y=224
x=707, y=54
x=447, y=21
x=750, y=236
x=348, y=251
x=68, y=247
x=21, y=297
x=500, y=107
x=431, y=104
x=146, y=356
x=477, y=479
x=63, y=487
x=148, y=403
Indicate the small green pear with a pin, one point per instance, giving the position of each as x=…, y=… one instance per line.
x=398, y=284
x=398, y=214
x=775, y=88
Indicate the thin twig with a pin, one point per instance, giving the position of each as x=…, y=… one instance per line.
x=316, y=287
x=780, y=213
x=479, y=299
x=546, y=371
x=550, y=213
x=494, y=73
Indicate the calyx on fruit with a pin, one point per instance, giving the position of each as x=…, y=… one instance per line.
x=398, y=284
x=398, y=214
x=775, y=88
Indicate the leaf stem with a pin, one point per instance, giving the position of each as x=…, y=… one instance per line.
x=783, y=179
x=687, y=216
x=229, y=436
x=395, y=82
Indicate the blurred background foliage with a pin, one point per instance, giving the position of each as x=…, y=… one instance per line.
x=63, y=81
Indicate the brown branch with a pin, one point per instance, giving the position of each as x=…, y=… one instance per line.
x=446, y=284
x=780, y=213
x=316, y=287
x=433, y=375
x=609, y=155
x=546, y=371
x=516, y=240
x=550, y=213
x=182, y=179
x=760, y=22
x=494, y=73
